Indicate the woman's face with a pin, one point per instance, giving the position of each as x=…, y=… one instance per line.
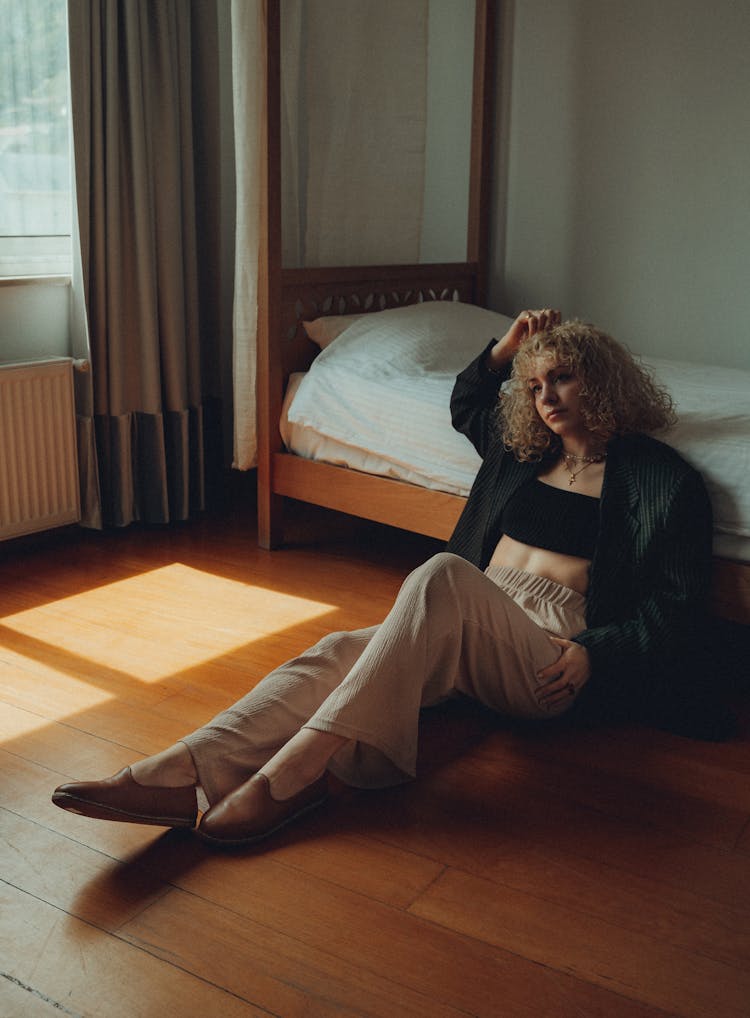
x=556, y=392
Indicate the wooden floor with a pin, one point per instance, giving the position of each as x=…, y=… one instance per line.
x=524, y=873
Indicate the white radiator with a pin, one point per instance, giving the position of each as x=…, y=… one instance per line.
x=38, y=459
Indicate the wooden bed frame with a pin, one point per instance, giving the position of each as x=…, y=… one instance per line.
x=289, y=296
x=308, y=294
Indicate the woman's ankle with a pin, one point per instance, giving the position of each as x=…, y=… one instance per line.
x=300, y=762
x=172, y=768
x=288, y=781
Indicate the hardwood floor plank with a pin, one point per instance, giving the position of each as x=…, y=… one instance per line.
x=743, y=842
x=424, y=959
x=600, y=787
x=288, y=976
x=32, y=658
x=16, y=999
x=730, y=757
x=472, y=817
x=682, y=767
x=378, y=871
x=644, y=967
x=58, y=747
x=58, y=870
x=680, y=917
x=87, y=972
x=139, y=730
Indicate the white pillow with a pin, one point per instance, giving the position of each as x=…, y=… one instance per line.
x=324, y=330
x=433, y=336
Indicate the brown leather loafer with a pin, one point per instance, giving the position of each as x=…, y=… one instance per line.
x=250, y=813
x=122, y=798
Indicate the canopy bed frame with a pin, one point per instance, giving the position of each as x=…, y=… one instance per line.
x=288, y=296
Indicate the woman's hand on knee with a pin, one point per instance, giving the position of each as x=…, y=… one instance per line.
x=563, y=679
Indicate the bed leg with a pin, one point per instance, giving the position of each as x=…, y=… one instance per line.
x=270, y=521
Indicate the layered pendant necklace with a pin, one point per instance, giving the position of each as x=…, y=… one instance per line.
x=570, y=461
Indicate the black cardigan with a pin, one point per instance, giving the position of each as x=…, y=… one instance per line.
x=651, y=568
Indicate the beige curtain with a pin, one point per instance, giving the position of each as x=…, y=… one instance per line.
x=143, y=410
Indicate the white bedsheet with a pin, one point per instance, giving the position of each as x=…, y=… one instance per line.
x=383, y=407
x=713, y=433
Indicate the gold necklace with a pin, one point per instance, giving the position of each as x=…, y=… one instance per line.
x=569, y=457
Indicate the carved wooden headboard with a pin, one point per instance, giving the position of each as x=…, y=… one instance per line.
x=312, y=293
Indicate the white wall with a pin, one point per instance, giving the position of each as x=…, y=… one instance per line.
x=34, y=321
x=622, y=187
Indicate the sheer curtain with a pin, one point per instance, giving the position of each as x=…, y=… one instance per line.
x=137, y=295
x=248, y=94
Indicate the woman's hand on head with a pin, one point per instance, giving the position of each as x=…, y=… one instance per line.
x=527, y=323
x=564, y=678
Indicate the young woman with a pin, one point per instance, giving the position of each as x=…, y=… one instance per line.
x=573, y=584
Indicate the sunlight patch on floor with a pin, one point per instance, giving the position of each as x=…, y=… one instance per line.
x=16, y=722
x=151, y=626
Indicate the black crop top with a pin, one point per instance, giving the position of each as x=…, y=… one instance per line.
x=543, y=516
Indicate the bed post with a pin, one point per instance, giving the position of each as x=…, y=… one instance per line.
x=269, y=395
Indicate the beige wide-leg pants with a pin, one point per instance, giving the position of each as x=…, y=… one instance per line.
x=452, y=629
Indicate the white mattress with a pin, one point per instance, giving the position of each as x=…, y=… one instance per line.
x=380, y=404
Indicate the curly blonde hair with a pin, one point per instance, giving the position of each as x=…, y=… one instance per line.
x=618, y=396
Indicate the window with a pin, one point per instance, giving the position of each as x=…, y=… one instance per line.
x=35, y=196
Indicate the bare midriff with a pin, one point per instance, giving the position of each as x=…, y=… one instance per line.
x=567, y=570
